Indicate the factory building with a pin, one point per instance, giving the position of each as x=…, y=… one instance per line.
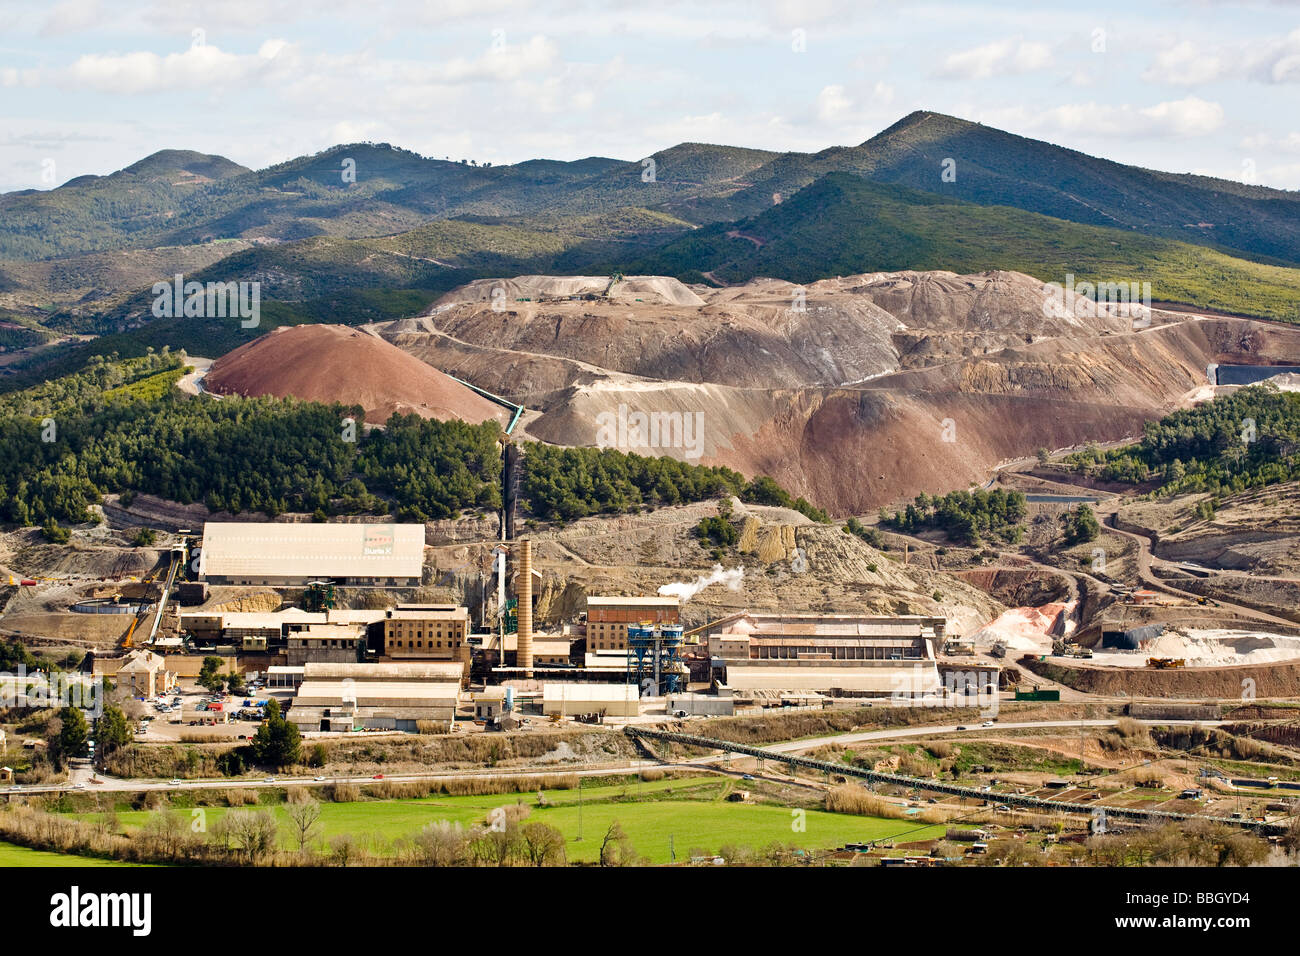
x=344, y=705
x=549, y=650
x=608, y=618
x=834, y=654
x=383, y=696
x=270, y=628
x=427, y=632
x=336, y=643
x=435, y=671
x=294, y=554
x=611, y=700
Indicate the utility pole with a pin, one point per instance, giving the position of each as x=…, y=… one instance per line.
x=579, y=809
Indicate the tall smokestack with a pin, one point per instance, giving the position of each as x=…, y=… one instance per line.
x=524, y=656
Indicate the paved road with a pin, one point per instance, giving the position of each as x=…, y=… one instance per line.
x=80, y=775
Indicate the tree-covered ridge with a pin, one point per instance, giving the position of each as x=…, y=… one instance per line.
x=121, y=426
x=98, y=380
x=564, y=484
x=967, y=516
x=1243, y=440
x=843, y=224
x=433, y=469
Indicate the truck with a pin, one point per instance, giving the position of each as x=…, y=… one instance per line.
x=1038, y=694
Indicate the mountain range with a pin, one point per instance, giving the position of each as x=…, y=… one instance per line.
x=371, y=232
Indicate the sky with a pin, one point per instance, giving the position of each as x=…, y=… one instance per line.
x=91, y=86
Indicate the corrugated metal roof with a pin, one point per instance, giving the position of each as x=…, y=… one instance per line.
x=385, y=671
x=297, y=549
x=326, y=693
x=601, y=601
x=554, y=691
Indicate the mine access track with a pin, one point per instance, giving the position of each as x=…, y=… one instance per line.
x=1010, y=799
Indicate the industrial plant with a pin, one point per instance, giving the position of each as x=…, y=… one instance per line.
x=388, y=663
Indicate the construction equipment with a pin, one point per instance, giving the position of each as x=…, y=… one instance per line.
x=319, y=596
x=129, y=640
x=177, y=558
x=1165, y=663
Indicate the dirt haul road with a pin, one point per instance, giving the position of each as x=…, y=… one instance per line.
x=1145, y=561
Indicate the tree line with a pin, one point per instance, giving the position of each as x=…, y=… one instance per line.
x=113, y=428
x=1244, y=440
x=966, y=516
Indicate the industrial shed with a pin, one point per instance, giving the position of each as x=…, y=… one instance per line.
x=293, y=554
x=859, y=679
x=435, y=671
x=612, y=700
x=834, y=654
x=372, y=704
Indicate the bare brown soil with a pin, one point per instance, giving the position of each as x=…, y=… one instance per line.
x=1223, y=683
x=334, y=363
x=870, y=390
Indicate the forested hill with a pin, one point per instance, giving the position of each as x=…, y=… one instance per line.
x=1244, y=440
x=121, y=426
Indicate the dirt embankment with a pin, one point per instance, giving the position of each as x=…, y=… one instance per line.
x=1221, y=683
x=1018, y=587
x=789, y=562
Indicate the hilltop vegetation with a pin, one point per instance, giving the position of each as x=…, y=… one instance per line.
x=564, y=484
x=1244, y=440
x=358, y=231
x=844, y=225
x=965, y=516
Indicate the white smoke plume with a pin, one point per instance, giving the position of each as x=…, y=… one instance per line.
x=731, y=577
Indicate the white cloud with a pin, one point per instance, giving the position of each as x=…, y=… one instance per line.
x=832, y=104
x=1272, y=60
x=1187, y=117
x=1185, y=65
x=504, y=62
x=1001, y=58
x=145, y=72
x=71, y=16
x=1289, y=143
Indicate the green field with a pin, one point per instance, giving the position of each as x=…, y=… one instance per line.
x=689, y=815
x=11, y=855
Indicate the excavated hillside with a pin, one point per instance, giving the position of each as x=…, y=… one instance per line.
x=899, y=383
x=789, y=563
x=334, y=363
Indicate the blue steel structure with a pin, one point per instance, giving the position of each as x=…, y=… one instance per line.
x=654, y=655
